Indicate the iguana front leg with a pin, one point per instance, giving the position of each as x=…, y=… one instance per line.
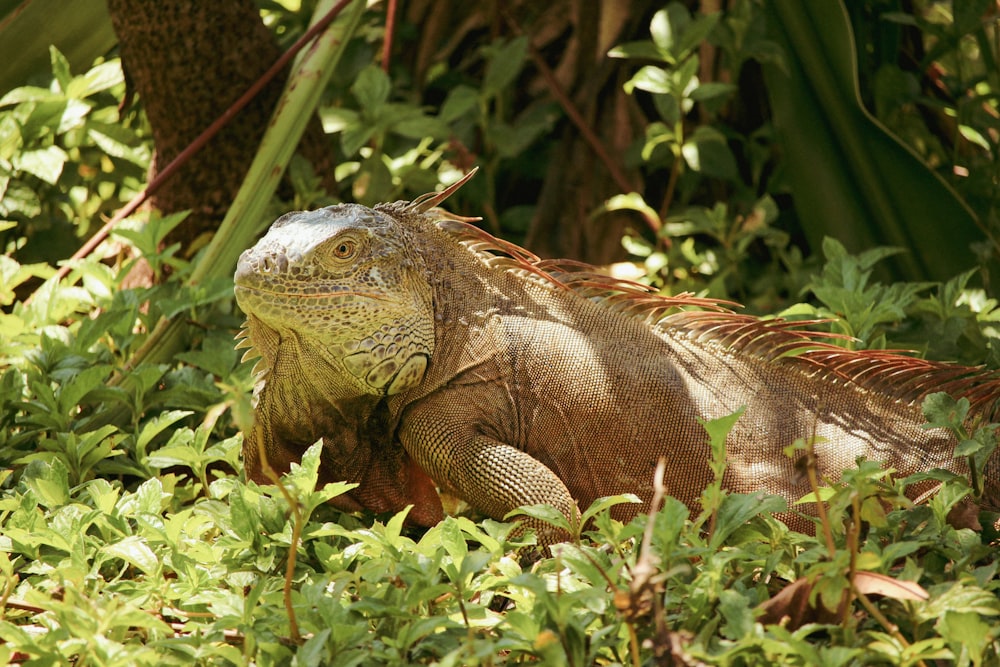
x=492, y=476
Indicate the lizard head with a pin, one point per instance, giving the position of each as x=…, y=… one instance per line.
x=342, y=282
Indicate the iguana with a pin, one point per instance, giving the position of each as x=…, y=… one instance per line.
x=428, y=354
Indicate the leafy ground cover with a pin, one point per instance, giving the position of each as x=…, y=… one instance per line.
x=128, y=535
x=142, y=545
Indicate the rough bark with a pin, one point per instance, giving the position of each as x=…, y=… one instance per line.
x=189, y=62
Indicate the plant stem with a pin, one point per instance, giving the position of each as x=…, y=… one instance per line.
x=890, y=627
x=293, y=505
x=390, y=29
x=820, y=506
x=675, y=172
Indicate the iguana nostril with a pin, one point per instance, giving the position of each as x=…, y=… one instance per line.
x=273, y=264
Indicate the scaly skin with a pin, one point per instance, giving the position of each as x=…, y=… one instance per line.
x=425, y=353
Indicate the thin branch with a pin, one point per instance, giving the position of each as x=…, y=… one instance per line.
x=619, y=177
x=675, y=172
x=390, y=30
x=889, y=626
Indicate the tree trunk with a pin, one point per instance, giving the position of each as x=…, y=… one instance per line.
x=189, y=61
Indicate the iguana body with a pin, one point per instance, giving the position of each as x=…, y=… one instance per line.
x=426, y=353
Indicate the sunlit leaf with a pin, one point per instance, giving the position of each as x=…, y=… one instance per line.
x=45, y=163
x=134, y=551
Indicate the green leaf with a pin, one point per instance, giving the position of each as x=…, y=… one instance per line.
x=157, y=425
x=822, y=494
x=305, y=473
x=967, y=447
x=956, y=596
x=669, y=108
x=217, y=356
x=419, y=126
x=696, y=32
x=49, y=481
x=29, y=94
x=738, y=612
x=711, y=90
x=943, y=411
x=338, y=119
x=314, y=651
x=606, y=503
x=96, y=80
x=453, y=540
x=45, y=163
x=460, y=101
x=134, y=551
x=174, y=455
x=114, y=141
x=718, y=430
x=512, y=140
x=642, y=50
x=74, y=389
x=544, y=513
x=966, y=632
x=652, y=79
x=371, y=87
x=660, y=139
x=244, y=514
x=706, y=152
x=394, y=526
x=738, y=508
x=91, y=448
x=850, y=177
x=60, y=68
x=667, y=26
x=634, y=202
x=355, y=137
x=504, y=61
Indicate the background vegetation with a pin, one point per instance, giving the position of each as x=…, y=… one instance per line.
x=768, y=152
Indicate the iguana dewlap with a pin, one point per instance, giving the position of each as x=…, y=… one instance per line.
x=428, y=354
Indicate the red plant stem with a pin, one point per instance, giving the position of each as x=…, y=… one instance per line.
x=202, y=139
x=390, y=29
x=577, y=118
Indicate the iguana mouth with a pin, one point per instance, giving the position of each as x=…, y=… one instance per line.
x=374, y=296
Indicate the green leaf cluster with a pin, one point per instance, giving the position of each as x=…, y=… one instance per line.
x=719, y=188
x=391, y=146
x=155, y=574
x=66, y=157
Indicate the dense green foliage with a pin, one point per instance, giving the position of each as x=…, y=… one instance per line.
x=128, y=535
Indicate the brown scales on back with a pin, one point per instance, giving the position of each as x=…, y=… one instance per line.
x=427, y=354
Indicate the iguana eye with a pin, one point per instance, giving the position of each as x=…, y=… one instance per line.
x=345, y=249
x=341, y=251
